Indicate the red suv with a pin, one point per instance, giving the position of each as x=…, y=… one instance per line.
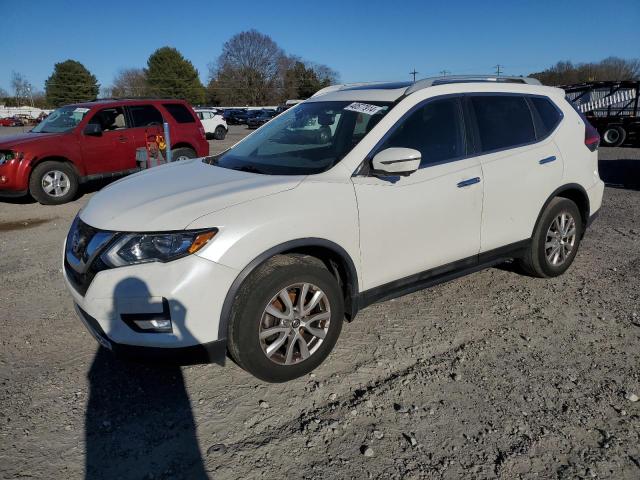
x=93, y=140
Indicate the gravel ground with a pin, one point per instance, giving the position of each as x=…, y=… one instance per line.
x=495, y=375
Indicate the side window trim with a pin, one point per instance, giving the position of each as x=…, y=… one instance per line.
x=364, y=170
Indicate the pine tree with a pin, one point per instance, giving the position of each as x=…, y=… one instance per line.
x=170, y=75
x=70, y=82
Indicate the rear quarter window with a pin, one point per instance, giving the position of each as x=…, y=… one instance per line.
x=504, y=121
x=549, y=114
x=179, y=112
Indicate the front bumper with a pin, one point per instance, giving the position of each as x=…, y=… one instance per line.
x=194, y=289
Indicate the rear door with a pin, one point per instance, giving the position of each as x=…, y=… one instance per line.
x=146, y=122
x=520, y=162
x=108, y=152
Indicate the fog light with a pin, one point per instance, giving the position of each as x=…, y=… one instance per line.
x=3, y=179
x=155, y=325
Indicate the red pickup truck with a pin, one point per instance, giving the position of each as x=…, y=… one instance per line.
x=92, y=140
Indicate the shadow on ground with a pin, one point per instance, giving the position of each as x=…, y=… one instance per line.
x=623, y=173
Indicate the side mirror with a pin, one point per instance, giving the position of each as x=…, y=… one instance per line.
x=93, y=129
x=396, y=161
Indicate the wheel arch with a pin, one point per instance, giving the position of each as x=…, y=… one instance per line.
x=335, y=258
x=184, y=145
x=53, y=158
x=574, y=192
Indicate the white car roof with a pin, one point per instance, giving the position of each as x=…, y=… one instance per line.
x=392, y=91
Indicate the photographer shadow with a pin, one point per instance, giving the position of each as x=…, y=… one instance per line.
x=139, y=422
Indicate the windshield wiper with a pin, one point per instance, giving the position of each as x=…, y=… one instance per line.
x=248, y=168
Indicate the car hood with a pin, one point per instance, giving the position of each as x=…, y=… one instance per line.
x=172, y=196
x=11, y=141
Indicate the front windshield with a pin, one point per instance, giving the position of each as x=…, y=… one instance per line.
x=310, y=138
x=61, y=120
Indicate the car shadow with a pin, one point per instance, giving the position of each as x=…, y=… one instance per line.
x=139, y=422
x=623, y=173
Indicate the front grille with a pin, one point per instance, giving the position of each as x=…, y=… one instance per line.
x=82, y=254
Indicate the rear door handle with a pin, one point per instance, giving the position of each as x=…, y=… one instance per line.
x=470, y=181
x=550, y=159
x=122, y=138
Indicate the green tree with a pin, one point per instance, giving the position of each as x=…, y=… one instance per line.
x=169, y=74
x=70, y=82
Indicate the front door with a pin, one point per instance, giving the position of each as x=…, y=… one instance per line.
x=108, y=152
x=430, y=218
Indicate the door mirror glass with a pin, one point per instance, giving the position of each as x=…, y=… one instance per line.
x=93, y=129
x=396, y=161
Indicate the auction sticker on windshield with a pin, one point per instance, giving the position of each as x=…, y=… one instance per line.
x=363, y=108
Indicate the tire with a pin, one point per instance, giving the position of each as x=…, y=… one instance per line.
x=182, y=154
x=53, y=183
x=263, y=358
x=614, y=136
x=540, y=260
x=219, y=133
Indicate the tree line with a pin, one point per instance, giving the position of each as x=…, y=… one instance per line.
x=611, y=68
x=251, y=70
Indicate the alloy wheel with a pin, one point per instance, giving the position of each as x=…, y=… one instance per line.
x=56, y=183
x=294, y=323
x=560, y=239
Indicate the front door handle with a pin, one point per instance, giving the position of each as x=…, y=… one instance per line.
x=470, y=181
x=550, y=159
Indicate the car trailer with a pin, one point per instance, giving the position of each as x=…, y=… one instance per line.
x=611, y=107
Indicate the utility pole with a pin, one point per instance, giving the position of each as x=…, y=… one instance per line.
x=444, y=73
x=414, y=73
x=498, y=68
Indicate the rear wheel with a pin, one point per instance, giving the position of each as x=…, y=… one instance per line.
x=53, y=183
x=555, y=241
x=286, y=318
x=220, y=133
x=182, y=154
x=614, y=136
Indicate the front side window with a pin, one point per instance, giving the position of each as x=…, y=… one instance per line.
x=435, y=130
x=308, y=139
x=145, y=115
x=504, y=121
x=62, y=120
x=109, y=119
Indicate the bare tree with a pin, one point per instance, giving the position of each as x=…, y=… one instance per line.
x=611, y=68
x=21, y=87
x=129, y=82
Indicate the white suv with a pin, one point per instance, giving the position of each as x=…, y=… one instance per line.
x=214, y=124
x=360, y=194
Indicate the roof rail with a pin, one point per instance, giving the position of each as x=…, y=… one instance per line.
x=432, y=81
x=340, y=86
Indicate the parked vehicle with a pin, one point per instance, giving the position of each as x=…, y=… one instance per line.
x=235, y=116
x=213, y=122
x=264, y=249
x=11, y=122
x=263, y=117
x=92, y=140
x=611, y=107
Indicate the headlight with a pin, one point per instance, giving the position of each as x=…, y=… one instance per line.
x=134, y=248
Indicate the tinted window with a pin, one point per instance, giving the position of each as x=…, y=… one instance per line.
x=434, y=129
x=145, y=115
x=549, y=114
x=503, y=121
x=179, y=112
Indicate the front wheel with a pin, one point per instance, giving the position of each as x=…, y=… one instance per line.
x=53, y=183
x=555, y=240
x=286, y=318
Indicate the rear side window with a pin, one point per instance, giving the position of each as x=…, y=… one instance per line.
x=504, y=121
x=435, y=130
x=549, y=114
x=179, y=112
x=145, y=115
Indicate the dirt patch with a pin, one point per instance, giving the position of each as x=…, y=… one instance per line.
x=23, y=224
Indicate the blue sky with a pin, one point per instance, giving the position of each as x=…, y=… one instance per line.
x=369, y=40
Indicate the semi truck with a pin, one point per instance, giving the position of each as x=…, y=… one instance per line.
x=611, y=107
